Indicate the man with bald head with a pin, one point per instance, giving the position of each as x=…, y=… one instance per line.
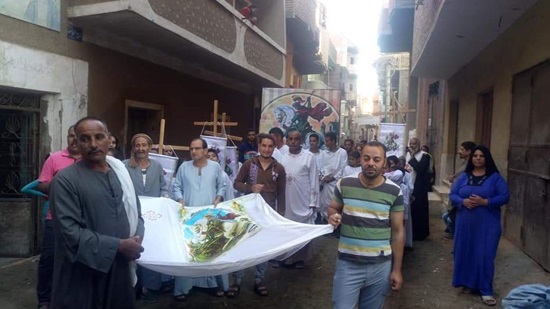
x=420, y=164
x=97, y=226
x=302, y=190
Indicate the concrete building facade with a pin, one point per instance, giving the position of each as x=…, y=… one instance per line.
x=493, y=74
x=130, y=63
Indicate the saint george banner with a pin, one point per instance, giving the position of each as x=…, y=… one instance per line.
x=208, y=241
x=308, y=111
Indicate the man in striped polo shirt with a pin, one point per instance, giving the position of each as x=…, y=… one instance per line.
x=370, y=209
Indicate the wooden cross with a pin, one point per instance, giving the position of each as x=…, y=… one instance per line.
x=215, y=125
x=161, y=145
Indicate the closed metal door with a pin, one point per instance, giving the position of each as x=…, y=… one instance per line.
x=527, y=218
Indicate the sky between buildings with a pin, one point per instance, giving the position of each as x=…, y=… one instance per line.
x=358, y=21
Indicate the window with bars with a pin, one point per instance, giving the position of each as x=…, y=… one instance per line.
x=19, y=115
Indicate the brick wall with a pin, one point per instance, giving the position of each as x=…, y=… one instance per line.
x=302, y=9
x=424, y=19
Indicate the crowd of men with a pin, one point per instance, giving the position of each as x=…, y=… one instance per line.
x=94, y=233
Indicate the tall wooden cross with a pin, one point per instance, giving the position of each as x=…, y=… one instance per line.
x=215, y=124
x=161, y=145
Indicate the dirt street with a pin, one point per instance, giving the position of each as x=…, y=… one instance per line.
x=427, y=272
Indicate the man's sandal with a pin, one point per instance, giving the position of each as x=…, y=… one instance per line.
x=489, y=300
x=233, y=291
x=181, y=297
x=260, y=289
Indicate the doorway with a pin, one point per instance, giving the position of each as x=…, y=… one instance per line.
x=141, y=117
x=528, y=212
x=484, y=118
x=19, y=148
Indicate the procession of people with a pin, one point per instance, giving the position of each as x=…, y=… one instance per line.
x=378, y=203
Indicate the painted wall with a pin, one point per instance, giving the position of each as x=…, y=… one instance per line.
x=521, y=47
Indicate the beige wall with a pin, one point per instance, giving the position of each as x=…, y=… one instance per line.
x=522, y=46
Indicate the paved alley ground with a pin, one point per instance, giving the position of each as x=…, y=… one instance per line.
x=427, y=271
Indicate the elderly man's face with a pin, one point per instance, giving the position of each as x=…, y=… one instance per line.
x=414, y=145
x=141, y=148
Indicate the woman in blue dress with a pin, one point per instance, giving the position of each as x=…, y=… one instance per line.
x=478, y=194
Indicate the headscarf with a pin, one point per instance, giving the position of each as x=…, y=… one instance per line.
x=490, y=165
x=133, y=162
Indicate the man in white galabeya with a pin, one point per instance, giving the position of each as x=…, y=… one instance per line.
x=302, y=190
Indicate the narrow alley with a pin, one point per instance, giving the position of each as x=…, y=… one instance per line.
x=427, y=272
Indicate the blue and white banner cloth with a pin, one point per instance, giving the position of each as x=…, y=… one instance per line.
x=208, y=241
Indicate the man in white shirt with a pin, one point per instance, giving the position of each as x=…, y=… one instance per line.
x=302, y=190
x=314, y=148
x=333, y=162
x=280, y=147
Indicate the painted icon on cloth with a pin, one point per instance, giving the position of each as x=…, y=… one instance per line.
x=307, y=111
x=211, y=232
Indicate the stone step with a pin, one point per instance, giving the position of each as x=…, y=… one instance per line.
x=434, y=197
x=436, y=205
x=442, y=190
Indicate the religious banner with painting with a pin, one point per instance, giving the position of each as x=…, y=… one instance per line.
x=308, y=111
x=218, y=144
x=169, y=166
x=392, y=135
x=209, y=241
x=231, y=162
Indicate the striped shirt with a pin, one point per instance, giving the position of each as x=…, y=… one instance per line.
x=365, y=228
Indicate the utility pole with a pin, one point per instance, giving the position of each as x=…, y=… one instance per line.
x=387, y=102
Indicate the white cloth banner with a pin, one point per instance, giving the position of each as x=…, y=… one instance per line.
x=392, y=135
x=232, y=162
x=169, y=165
x=208, y=241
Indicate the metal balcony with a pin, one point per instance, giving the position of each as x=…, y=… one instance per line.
x=396, y=26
